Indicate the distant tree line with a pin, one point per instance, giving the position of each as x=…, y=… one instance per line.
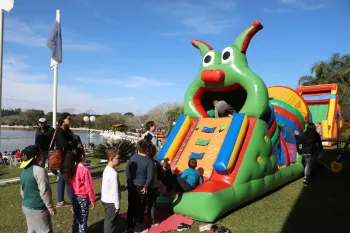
x=164, y=115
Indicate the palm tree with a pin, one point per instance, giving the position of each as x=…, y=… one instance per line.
x=335, y=70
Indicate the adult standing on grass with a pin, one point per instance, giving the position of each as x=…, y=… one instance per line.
x=65, y=141
x=43, y=137
x=37, y=204
x=311, y=144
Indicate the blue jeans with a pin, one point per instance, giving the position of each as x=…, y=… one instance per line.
x=81, y=214
x=61, y=186
x=309, y=164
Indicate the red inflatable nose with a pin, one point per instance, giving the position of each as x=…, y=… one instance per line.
x=213, y=76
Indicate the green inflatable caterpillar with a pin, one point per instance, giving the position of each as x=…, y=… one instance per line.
x=241, y=157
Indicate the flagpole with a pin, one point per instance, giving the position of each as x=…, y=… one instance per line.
x=55, y=82
x=1, y=56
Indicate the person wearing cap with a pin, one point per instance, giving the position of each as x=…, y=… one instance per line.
x=37, y=204
x=43, y=137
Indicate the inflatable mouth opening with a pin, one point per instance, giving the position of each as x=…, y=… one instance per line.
x=235, y=95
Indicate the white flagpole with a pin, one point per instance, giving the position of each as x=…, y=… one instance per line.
x=1, y=56
x=55, y=82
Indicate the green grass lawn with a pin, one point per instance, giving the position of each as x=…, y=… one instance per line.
x=322, y=207
x=7, y=172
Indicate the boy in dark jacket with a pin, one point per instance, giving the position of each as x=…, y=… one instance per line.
x=139, y=175
x=311, y=146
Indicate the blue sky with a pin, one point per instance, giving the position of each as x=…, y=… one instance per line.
x=121, y=56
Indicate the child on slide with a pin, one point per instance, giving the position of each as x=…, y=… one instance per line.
x=189, y=179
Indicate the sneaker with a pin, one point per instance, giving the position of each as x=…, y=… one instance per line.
x=205, y=227
x=306, y=183
x=62, y=204
x=154, y=224
x=183, y=227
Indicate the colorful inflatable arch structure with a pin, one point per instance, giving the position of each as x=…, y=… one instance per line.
x=322, y=101
x=242, y=157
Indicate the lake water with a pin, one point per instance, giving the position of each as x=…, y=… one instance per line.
x=12, y=139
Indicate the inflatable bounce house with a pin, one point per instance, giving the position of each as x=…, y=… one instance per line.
x=241, y=157
x=322, y=101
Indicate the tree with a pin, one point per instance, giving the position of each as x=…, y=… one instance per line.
x=78, y=120
x=135, y=122
x=14, y=120
x=335, y=70
x=164, y=114
x=32, y=116
x=173, y=114
x=129, y=114
x=104, y=122
x=10, y=112
x=69, y=110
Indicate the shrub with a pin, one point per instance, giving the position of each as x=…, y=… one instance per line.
x=126, y=149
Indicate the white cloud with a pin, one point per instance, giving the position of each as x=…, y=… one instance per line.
x=121, y=99
x=277, y=10
x=133, y=82
x=35, y=35
x=22, y=89
x=205, y=17
x=307, y=5
x=102, y=81
x=13, y=63
x=106, y=19
x=137, y=81
x=19, y=32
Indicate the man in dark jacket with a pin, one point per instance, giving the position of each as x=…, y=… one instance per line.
x=43, y=137
x=311, y=144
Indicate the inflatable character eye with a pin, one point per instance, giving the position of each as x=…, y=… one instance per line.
x=226, y=55
x=208, y=58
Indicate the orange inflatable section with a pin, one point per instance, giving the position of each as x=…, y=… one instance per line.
x=210, y=151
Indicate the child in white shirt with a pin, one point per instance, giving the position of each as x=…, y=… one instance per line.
x=110, y=192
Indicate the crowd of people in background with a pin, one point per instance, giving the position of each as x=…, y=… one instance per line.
x=143, y=172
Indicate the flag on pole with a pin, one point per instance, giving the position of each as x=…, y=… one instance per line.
x=54, y=42
x=6, y=5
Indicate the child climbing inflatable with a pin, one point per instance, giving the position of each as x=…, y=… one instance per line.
x=243, y=156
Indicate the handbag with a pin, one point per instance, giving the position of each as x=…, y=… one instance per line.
x=55, y=156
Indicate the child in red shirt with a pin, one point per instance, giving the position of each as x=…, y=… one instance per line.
x=18, y=156
x=82, y=187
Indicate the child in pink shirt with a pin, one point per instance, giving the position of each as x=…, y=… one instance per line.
x=82, y=187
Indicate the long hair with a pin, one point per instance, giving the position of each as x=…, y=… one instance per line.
x=152, y=151
x=71, y=160
x=63, y=116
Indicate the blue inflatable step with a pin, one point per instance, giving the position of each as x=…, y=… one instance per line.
x=196, y=155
